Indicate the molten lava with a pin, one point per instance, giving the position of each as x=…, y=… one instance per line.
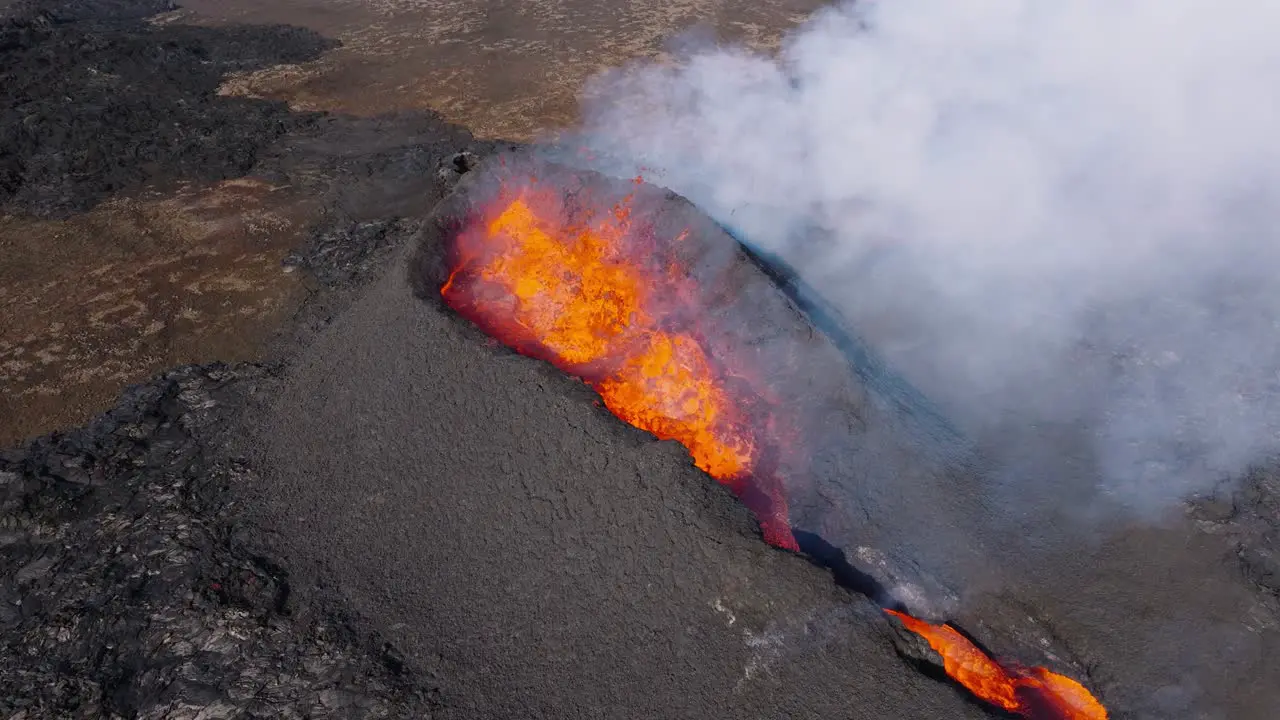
x=1031, y=692
x=602, y=298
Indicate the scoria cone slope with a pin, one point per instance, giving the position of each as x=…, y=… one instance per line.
x=482, y=505
x=537, y=555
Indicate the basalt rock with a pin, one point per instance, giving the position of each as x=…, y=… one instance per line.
x=129, y=589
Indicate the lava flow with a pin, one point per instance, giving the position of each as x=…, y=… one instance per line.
x=1030, y=692
x=602, y=298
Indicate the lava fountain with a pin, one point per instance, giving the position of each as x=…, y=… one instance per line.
x=599, y=293
x=600, y=296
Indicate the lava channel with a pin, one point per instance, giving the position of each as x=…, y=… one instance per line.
x=1034, y=692
x=600, y=297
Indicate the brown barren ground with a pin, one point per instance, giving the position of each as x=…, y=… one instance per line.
x=112, y=296
x=504, y=70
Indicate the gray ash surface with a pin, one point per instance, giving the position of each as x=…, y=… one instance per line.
x=1247, y=518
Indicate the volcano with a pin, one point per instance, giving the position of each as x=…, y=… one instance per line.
x=532, y=551
x=615, y=286
x=402, y=513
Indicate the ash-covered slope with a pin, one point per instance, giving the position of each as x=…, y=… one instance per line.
x=854, y=460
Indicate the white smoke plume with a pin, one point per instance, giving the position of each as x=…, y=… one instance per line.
x=1047, y=214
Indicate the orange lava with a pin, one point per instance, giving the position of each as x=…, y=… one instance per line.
x=1031, y=692
x=595, y=294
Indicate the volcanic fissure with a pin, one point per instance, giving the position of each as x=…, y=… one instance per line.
x=604, y=292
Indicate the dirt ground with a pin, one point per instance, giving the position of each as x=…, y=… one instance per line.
x=191, y=271
x=137, y=285
x=504, y=70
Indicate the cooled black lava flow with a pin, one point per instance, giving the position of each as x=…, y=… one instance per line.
x=96, y=101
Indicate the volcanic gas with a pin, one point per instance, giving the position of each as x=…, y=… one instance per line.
x=559, y=275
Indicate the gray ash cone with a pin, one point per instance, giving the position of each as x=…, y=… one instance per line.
x=531, y=552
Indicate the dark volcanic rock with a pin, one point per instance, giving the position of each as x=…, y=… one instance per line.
x=1247, y=517
x=129, y=585
x=376, y=178
x=342, y=252
x=93, y=100
x=61, y=11
x=129, y=590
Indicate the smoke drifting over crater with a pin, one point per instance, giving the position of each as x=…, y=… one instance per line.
x=1058, y=219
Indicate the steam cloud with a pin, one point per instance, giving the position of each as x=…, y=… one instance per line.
x=1054, y=217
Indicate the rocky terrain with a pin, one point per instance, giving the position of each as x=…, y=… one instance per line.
x=132, y=591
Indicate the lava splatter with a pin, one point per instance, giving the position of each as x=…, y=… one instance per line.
x=602, y=298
